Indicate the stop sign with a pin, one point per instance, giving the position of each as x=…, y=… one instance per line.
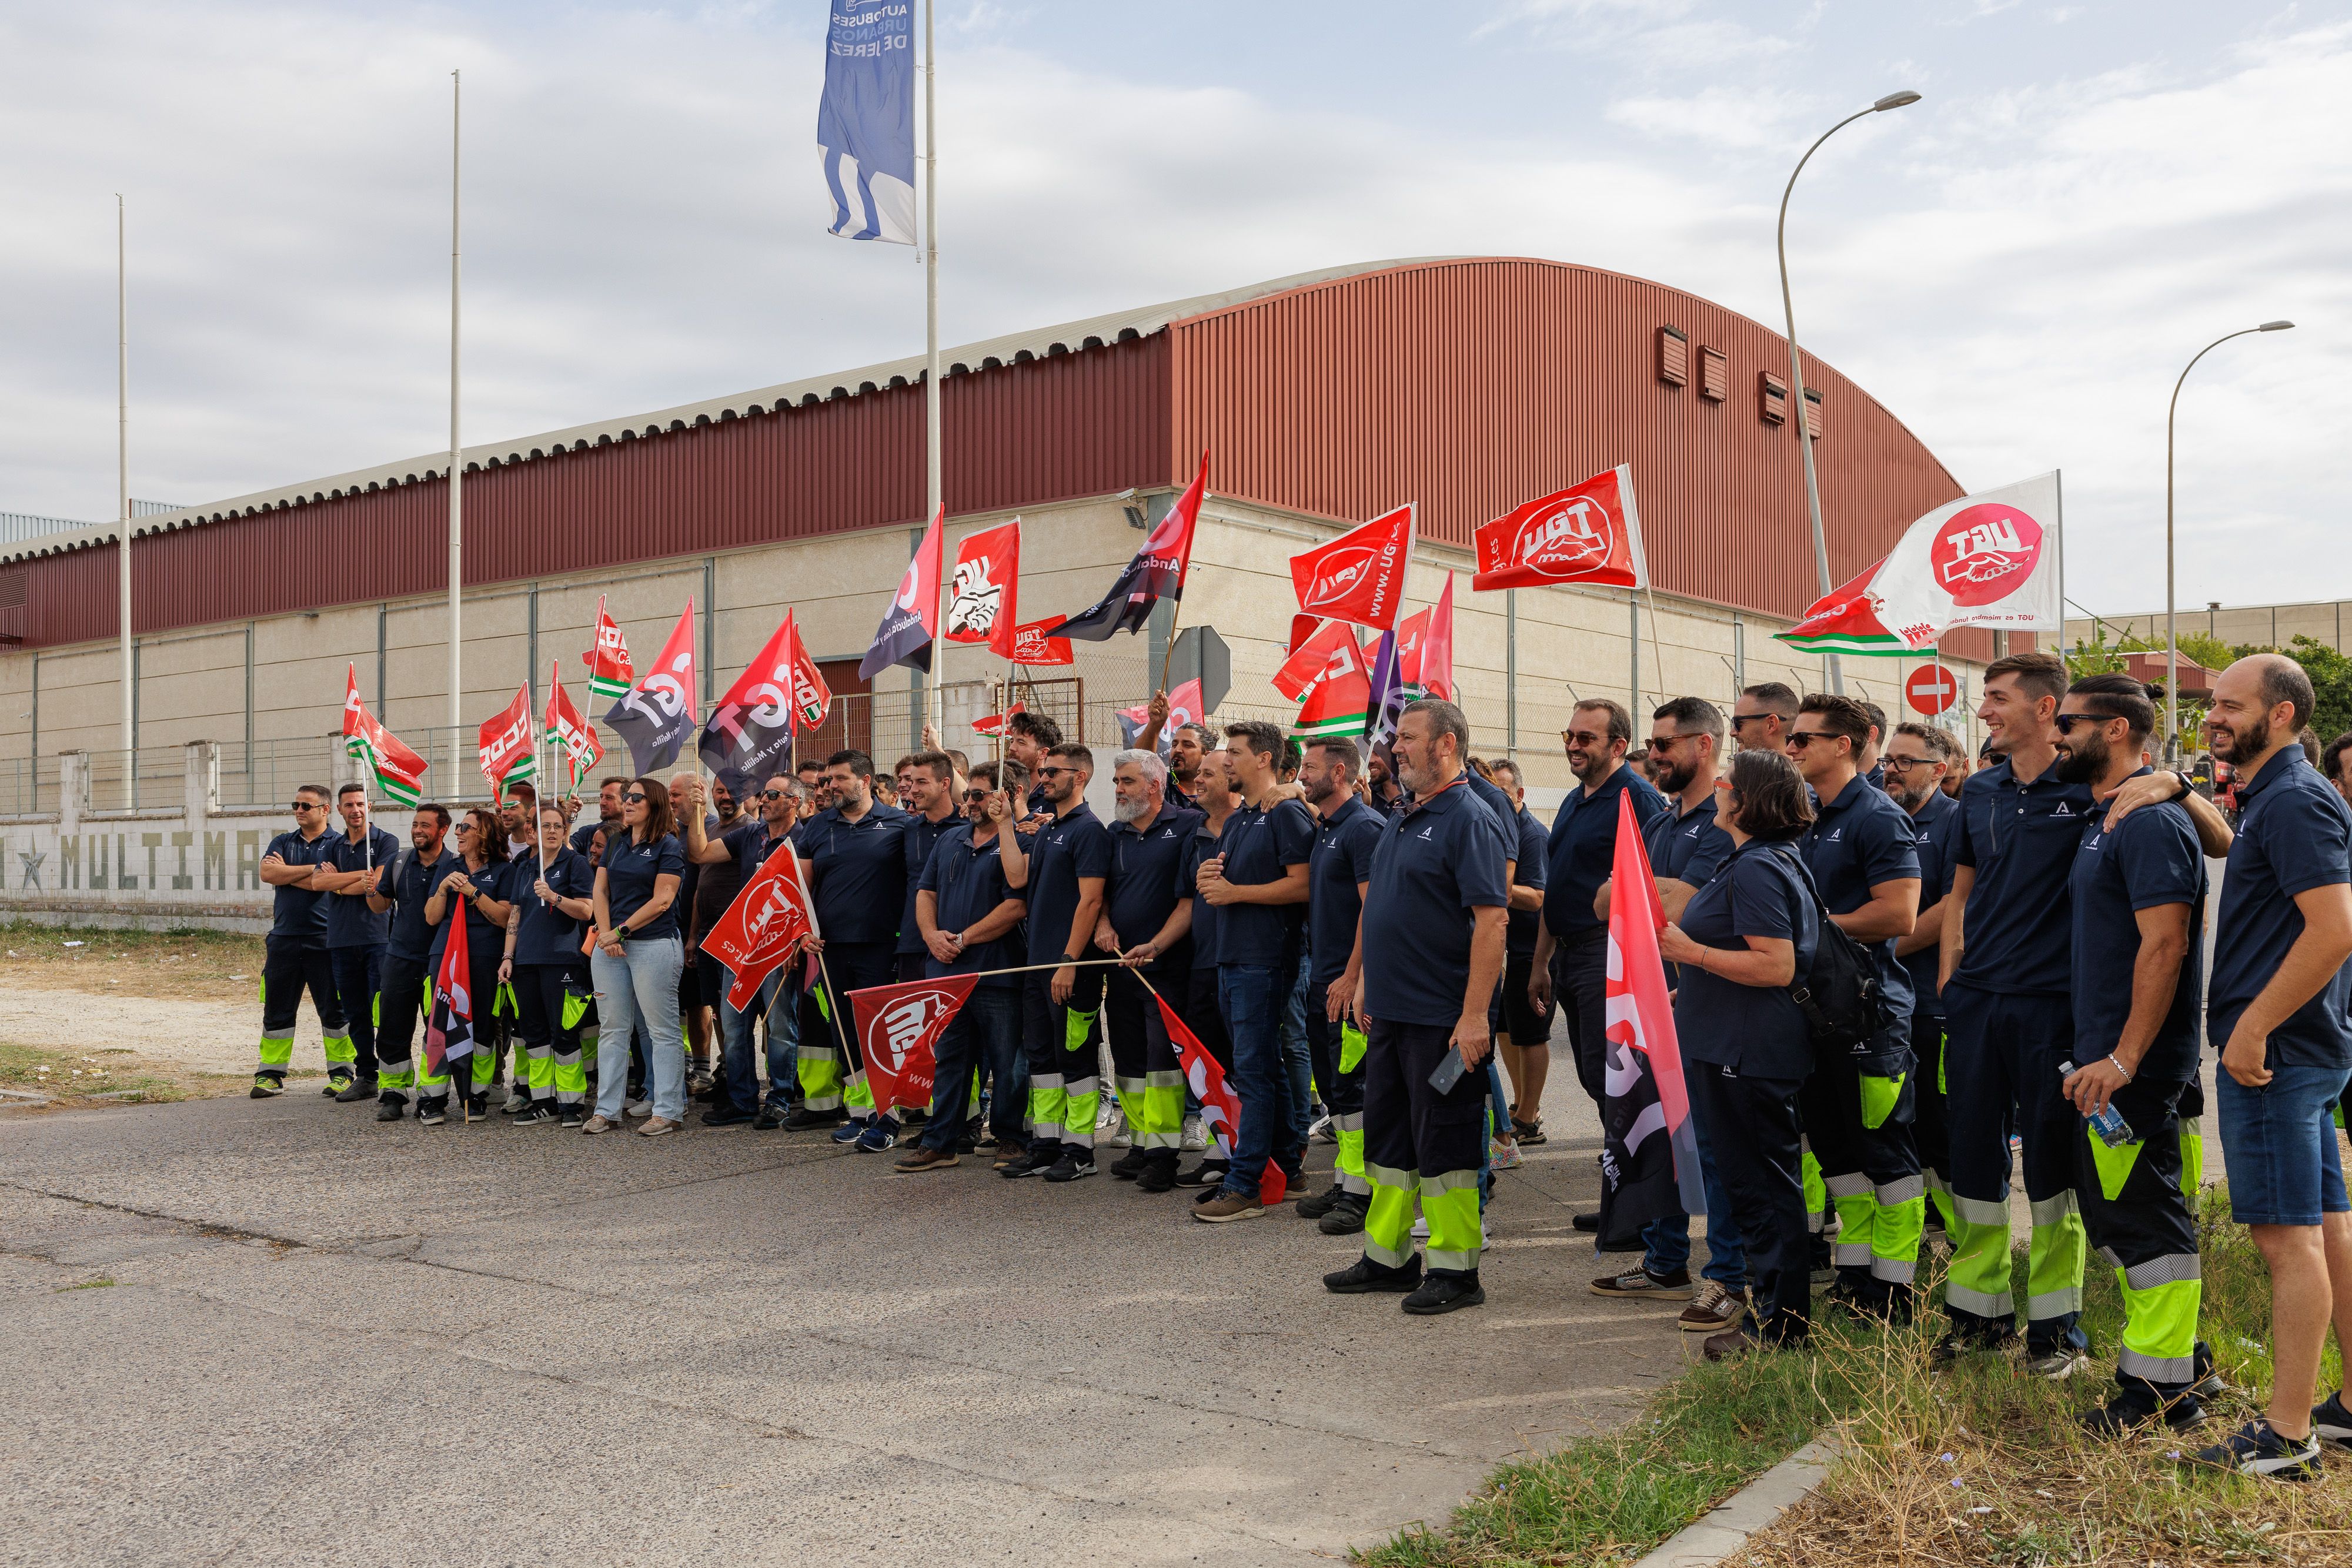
x=1931, y=689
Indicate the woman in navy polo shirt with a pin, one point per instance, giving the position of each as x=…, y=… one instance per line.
x=638, y=957
x=478, y=885
x=1742, y=940
x=552, y=906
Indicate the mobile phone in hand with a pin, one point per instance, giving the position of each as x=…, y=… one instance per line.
x=1449, y=1073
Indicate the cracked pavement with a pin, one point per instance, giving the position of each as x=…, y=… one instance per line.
x=331, y=1338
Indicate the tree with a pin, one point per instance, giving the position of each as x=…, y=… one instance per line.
x=2331, y=685
x=2096, y=657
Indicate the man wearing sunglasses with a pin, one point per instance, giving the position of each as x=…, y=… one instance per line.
x=733, y=860
x=1918, y=759
x=297, y=948
x=355, y=935
x=1761, y=718
x=857, y=855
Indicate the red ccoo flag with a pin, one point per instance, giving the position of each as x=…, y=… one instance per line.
x=509, y=746
x=1647, y=1175
x=582, y=750
x=609, y=675
x=993, y=723
x=1359, y=576
x=1219, y=1110
x=898, y=1030
x=449, y=1025
x=1330, y=649
x=1587, y=533
x=764, y=926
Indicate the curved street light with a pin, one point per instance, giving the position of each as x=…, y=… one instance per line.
x=2171, y=631
x=1903, y=99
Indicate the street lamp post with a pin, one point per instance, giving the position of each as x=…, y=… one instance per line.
x=2171, y=630
x=1796, y=368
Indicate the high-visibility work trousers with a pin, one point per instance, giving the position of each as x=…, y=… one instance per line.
x=1338, y=1054
x=1420, y=1145
x=2137, y=1209
x=2000, y=1073
x=551, y=999
x=400, y=1003
x=1150, y=1084
x=1930, y=1128
x=1857, y=1112
x=831, y=1073
x=289, y=967
x=1064, y=1046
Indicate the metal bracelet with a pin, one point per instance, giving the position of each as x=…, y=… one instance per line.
x=2116, y=1063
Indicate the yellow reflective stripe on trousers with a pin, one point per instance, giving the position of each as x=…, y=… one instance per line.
x=277, y=1051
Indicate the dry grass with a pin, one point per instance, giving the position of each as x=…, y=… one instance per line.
x=199, y=966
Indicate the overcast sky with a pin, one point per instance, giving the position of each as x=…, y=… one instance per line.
x=2016, y=266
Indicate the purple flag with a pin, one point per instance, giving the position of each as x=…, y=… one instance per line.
x=1389, y=694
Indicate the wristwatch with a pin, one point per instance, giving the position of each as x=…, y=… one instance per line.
x=2188, y=785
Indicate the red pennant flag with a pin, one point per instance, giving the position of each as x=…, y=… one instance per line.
x=1221, y=1111
x=509, y=744
x=898, y=1030
x=609, y=675
x=983, y=602
x=1649, y=1175
x=1302, y=627
x=761, y=928
x=1434, y=661
x=449, y=1027
x=1359, y=576
x=993, y=723
x=1031, y=646
x=1587, y=533
x=1330, y=650
x=1410, y=633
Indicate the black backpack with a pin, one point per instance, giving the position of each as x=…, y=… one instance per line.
x=1841, y=996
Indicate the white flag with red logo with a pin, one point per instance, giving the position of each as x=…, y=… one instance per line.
x=770, y=914
x=1221, y=1109
x=1359, y=576
x=1990, y=560
x=1587, y=533
x=510, y=744
x=983, y=596
x=898, y=1030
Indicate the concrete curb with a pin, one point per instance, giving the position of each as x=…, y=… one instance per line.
x=1753, y=1507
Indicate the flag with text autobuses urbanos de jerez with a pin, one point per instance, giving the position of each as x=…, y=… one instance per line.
x=1155, y=572
x=770, y=914
x=865, y=119
x=1649, y=1156
x=898, y=1030
x=1220, y=1110
x=656, y=715
x=1993, y=559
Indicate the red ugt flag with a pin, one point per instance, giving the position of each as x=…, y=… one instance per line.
x=898, y=1030
x=1221, y=1110
x=1650, y=1150
x=1359, y=576
x=983, y=602
x=760, y=928
x=1587, y=533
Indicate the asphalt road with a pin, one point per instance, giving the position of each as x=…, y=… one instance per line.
x=329, y=1339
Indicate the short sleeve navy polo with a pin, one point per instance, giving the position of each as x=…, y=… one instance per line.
x=1432, y=866
x=857, y=872
x=1260, y=845
x=1142, y=894
x=2148, y=860
x=1341, y=863
x=1203, y=846
x=1753, y=1030
x=968, y=881
x=2020, y=839
x=1497, y=802
x=1520, y=925
x=1583, y=846
x=630, y=870
x=298, y=914
x=1859, y=840
x=1932, y=832
x=411, y=937
x=546, y=935
x=1686, y=846
x=350, y=922
x=2294, y=834
x=1060, y=854
x=922, y=836
x=486, y=942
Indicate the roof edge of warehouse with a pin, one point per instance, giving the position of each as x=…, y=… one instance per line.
x=1070, y=336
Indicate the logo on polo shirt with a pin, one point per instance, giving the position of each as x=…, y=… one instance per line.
x=1424, y=832
x=2093, y=842
x=1836, y=834
x=2062, y=810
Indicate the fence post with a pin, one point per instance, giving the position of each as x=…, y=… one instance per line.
x=200, y=786
x=73, y=789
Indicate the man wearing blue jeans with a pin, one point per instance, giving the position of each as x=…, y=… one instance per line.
x=1257, y=882
x=2277, y=1001
x=1687, y=848
x=769, y=819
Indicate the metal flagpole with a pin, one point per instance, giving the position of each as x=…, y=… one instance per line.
x=456, y=455
x=936, y=489
x=122, y=476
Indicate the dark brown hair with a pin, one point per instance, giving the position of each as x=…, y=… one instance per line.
x=2037, y=675
x=660, y=820
x=1771, y=794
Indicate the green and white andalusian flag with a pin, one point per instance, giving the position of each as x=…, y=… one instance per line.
x=399, y=772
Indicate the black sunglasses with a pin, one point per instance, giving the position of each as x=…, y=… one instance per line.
x=1804, y=737
x=309, y=806
x=634, y=795
x=2067, y=721
x=773, y=794
x=1054, y=772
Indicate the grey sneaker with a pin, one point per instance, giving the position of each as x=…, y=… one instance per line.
x=1637, y=1280
x=1196, y=1136
x=1714, y=1309
x=2057, y=1365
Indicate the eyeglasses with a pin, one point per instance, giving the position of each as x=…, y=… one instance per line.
x=1584, y=737
x=2067, y=721
x=467, y=828
x=1800, y=738
x=1054, y=772
x=633, y=797
x=978, y=796
x=1894, y=764
x=1668, y=742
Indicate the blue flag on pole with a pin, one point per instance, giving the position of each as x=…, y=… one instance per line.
x=865, y=120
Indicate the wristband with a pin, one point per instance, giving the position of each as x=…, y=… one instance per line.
x=1067, y=959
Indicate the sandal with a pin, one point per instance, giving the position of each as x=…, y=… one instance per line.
x=1528, y=1133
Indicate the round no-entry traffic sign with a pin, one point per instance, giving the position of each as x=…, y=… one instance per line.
x=1931, y=689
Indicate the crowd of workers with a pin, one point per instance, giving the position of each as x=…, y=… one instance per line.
x=1355, y=932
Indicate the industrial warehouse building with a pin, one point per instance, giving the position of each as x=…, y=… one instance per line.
x=1465, y=384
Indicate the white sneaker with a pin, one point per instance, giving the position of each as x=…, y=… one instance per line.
x=1420, y=1229
x=1323, y=1132
x=1110, y=1126
x=1196, y=1136
x=638, y=1108
x=517, y=1101
x=1502, y=1156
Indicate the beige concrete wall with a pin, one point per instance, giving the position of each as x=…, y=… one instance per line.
x=2262, y=625
x=194, y=684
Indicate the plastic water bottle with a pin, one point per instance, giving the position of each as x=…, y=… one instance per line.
x=2109, y=1123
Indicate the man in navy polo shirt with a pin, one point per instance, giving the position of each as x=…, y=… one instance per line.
x=402, y=887
x=856, y=856
x=2138, y=892
x=1257, y=883
x=757, y=833
x=1918, y=759
x=1430, y=957
x=1062, y=871
x=1571, y=957
x=607, y=818
x=355, y=934
x=1687, y=848
x=927, y=792
x=1857, y=1103
x=1204, y=1013
x=1140, y=920
x=1337, y=870
x=297, y=957
x=2276, y=1006
x=2007, y=971
x=1523, y=1037
x=1028, y=737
